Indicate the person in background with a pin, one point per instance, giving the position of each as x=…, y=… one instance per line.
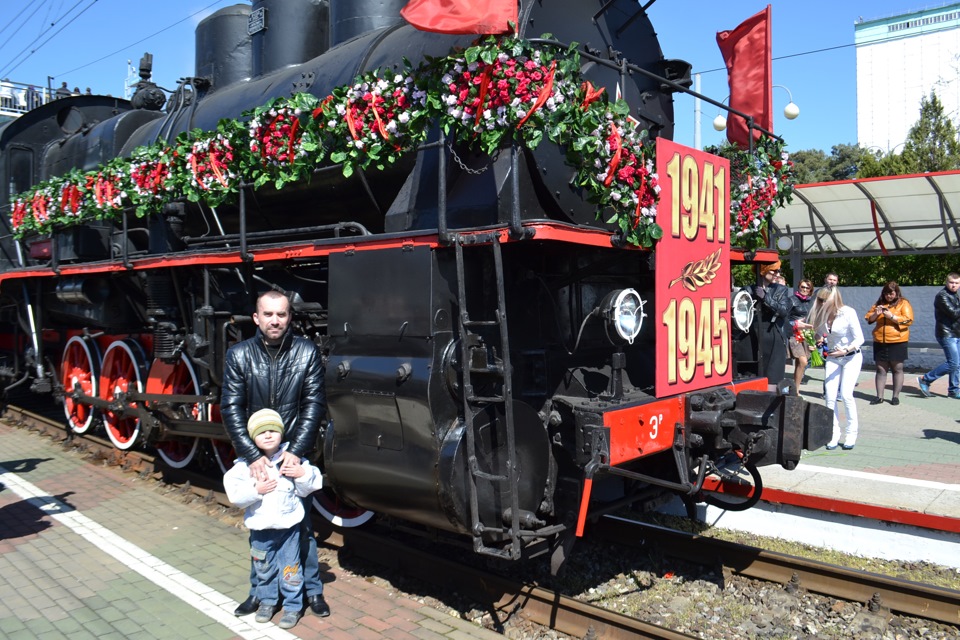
x=893, y=316
x=799, y=350
x=276, y=370
x=772, y=309
x=946, y=309
x=63, y=91
x=840, y=327
x=831, y=280
x=273, y=513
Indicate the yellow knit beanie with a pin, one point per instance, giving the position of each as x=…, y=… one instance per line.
x=264, y=420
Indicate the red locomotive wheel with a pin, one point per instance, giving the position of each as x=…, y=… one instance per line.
x=120, y=373
x=177, y=379
x=80, y=365
x=337, y=513
x=223, y=451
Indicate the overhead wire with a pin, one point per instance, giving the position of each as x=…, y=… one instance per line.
x=14, y=19
x=133, y=44
x=8, y=69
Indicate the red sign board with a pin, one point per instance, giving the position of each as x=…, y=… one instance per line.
x=692, y=270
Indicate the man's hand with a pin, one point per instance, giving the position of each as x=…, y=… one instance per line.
x=258, y=468
x=291, y=467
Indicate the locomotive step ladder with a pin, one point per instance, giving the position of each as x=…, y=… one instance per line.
x=473, y=404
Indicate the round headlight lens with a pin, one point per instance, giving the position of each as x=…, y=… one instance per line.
x=743, y=310
x=623, y=312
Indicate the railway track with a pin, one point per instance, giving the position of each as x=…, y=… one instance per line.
x=510, y=601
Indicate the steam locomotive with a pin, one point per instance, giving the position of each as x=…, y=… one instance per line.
x=500, y=365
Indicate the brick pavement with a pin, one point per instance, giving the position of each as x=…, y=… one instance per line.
x=91, y=552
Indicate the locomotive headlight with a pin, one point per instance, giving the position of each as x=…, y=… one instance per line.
x=623, y=312
x=743, y=310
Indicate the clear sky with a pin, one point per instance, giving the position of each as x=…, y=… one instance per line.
x=87, y=43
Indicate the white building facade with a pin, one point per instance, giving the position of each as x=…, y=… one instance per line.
x=900, y=60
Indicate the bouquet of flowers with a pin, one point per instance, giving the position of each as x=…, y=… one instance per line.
x=807, y=337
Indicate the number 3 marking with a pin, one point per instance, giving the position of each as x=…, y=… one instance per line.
x=655, y=426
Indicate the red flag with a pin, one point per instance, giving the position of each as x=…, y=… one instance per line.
x=461, y=16
x=746, y=52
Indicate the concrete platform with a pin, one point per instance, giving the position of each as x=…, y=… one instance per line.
x=906, y=457
x=92, y=552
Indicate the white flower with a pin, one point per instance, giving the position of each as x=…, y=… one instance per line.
x=450, y=100
x=404, y=117
x=615, y=196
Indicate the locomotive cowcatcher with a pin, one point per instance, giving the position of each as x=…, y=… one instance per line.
x=501, y=364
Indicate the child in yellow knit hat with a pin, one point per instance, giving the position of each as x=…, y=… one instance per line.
x=274, y=510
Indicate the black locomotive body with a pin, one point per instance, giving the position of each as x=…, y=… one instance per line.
x=466, y=304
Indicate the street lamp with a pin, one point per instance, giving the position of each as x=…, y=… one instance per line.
x=790, y=112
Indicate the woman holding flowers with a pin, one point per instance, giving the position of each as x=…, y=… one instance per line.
x=893, y=316
x=839, y=327
x=798, y=346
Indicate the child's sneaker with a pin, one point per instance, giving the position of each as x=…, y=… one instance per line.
x=289, y=619
x=265, y=612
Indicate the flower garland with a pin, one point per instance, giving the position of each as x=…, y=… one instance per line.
x=616, y=167
x=760, y=183
x=380, y=117
x=499, y=91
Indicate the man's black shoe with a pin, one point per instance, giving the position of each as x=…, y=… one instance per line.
x=319, y=606
x=248, y=606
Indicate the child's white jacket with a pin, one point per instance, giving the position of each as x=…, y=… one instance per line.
x=282, y=508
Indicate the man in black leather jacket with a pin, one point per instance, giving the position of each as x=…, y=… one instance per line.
x=277, y=370
x=946, y=309
x=772, y=309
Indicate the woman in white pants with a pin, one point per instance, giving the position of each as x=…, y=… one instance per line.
x=839, y=327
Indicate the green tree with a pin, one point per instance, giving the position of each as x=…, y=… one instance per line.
x=932, y=142
x=813, y=165
x=931, y=145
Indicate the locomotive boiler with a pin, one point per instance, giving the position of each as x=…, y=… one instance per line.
x=501, y=364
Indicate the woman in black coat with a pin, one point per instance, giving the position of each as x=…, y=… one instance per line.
x=772, y=309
